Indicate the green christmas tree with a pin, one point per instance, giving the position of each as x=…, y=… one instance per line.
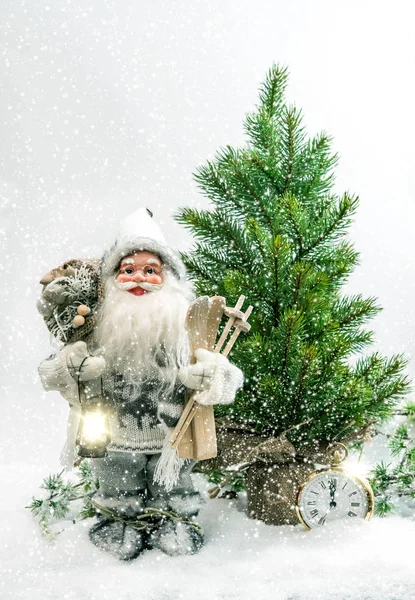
x=276, y=232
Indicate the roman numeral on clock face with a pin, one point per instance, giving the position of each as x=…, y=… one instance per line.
x=352, y=514
x=353, y=494
x=355, y=503
x=314, y=512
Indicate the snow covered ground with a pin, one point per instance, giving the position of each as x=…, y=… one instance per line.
x=242, y=560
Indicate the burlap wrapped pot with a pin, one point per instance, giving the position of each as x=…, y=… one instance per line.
x=274, y=476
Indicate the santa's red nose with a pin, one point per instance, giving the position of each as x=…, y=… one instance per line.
x=138, y=276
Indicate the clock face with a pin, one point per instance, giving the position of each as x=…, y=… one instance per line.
x=333, y=494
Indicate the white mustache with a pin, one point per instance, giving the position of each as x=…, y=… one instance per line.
x=130, y=285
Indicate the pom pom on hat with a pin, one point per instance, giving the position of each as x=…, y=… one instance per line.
x=140, y=225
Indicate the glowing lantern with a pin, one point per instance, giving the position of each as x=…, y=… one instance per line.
x=93, y=433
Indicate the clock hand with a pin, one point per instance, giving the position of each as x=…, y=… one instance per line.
x=332, y=488
x=323, y=519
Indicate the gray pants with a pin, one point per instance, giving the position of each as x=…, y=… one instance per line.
x=127, y=484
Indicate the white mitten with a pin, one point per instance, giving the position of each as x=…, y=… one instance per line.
x=54, y=375
x=225, y=383
x=81, y=364
x=200, y=375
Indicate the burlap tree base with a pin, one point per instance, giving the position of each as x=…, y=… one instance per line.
x=274, y=477
x=272, y=491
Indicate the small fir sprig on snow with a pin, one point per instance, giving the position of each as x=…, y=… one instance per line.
x=60, y=495
x=229, y=483
x=391, y=481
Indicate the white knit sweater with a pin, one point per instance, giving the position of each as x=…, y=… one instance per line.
x=138, y=421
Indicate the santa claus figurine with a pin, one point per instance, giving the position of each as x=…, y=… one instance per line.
x=135, y=351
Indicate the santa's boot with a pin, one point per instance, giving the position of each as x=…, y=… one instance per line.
x=177, y=537
x=115, y=536
x=121, y=489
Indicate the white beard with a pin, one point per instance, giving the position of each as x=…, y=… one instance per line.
x=144, y=337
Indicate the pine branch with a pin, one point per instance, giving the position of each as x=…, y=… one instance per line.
x=332, y=224
x=271, y=93
x=290, y=326
x=348, y=313
x=241, y=176
x=306, y=361
x=214, y=186
x=216, y=225
x=396, y=479
x=231, y=185
x=292, y=136
x=61, y=494
x=265, y=170
x=294, y=214
x=318, y=165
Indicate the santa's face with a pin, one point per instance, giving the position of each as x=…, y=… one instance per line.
x=140, y=273
x=144, y=336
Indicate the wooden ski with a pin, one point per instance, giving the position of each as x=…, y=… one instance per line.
x=195, y=434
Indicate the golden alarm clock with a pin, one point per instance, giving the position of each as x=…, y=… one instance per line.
x=333, y=493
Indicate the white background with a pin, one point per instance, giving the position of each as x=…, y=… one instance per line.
x=106, y=106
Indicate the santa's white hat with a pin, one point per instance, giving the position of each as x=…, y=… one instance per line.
x=139, y=231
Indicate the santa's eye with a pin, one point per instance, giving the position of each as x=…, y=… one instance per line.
x=129, y=271
x=149, y=271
